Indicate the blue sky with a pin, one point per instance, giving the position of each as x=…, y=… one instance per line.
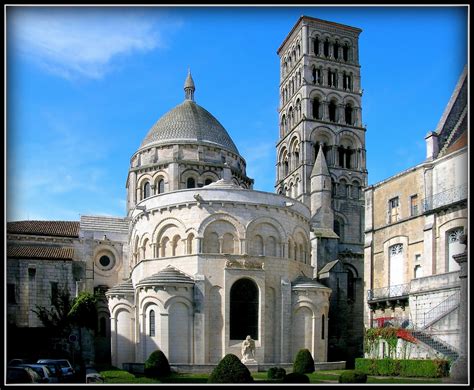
x=85, y=84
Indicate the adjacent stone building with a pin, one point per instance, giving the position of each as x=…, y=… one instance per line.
x=413, y=225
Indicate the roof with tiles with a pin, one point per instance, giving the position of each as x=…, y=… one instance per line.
x=44, y=228
x=39, y=252
x=124, y=288
x=169, y=275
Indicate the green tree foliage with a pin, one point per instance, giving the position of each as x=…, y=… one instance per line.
x=304, y=362
x=56, y=318
x=83, y=312
x=276, y=373
x=230, y=370
x=353, y=377
x=157, y=365
x=296, y=377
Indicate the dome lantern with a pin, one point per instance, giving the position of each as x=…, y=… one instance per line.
x=189, y=87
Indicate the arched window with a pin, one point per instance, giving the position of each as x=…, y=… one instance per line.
x=351, y=286
x=258, y=245
x=189, y=244
x=454, y=247
x=345, y=52
x=348, y=114
x=191, y=183
x=285, y=167
x=336, y=50
x=326, y=48
x=316, y=108
x=152, y=323
x=316, y=46
x=244, y=310
x=339, y=229
x=396, y=268
x=161, y=186
x=228, y=243
x=332, y=111
x=146, y=190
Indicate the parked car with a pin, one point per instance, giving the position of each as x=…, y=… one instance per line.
x=43, y=371
x=55, y=369
x=16, y=374
x=66, y=368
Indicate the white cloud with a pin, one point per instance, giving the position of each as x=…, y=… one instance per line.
x=82, y=41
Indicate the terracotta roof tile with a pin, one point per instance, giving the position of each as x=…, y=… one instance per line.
x=39, y=252
x=45, y=228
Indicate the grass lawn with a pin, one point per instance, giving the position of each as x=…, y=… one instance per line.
x=114, y=375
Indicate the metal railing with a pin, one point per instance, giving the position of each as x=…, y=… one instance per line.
x=445, y=198
x=399, y=290
x=440, y=310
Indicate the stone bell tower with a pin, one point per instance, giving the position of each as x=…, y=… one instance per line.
x=320, y=112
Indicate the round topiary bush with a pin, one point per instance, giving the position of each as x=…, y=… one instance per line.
x=276, y=373
x=157, y=365
x=230, y=370
x=304, y=362
x=295, y=377
x=353, y=377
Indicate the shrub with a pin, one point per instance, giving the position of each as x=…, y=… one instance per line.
x=230, y=370
x=304, y=362
x=353, y=377
x=157, y=365
x=276, y=373
x=404, y=367
x=295, y=377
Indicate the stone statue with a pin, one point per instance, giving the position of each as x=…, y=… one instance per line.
x=248, y=351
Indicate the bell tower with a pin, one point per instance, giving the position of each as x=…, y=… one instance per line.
x=320, y=112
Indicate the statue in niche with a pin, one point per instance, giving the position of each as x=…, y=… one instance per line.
x=248, y=351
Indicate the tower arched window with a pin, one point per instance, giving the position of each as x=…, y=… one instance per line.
x=345, y=52
x=285, y=167
x=146, y=190
x=323, y=326
x=316, y=46
x=161, y=186
x=348, y=114
x=348, y=155
x=191, y=183
x=326, y=48
x=332, y=111
x=316, y=108
x=336, y=50
x=244, y=304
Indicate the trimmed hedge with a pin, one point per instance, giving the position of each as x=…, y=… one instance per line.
x=304, y=362
x=353, y=377
x=296, y=377
x=276, y=373
x=157, y=365
x=403, y=367
x=230, y=370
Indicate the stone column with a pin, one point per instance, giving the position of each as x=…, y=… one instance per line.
x=321, y=48
x=458, y=370
x=305, y=39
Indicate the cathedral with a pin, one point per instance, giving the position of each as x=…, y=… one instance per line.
x=201, y=260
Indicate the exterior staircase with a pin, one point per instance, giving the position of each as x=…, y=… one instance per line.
x=437, y=344
x=431, y=317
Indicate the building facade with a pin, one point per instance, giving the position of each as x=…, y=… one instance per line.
x=321, y=161
x=414, y=222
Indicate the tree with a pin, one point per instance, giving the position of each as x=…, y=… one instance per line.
x=304, y=362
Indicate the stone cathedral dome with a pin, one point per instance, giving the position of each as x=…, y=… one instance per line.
x=189, y=122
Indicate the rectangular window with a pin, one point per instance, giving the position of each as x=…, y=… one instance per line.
x=393, y=210
x=11, y=293
x=54, y=292
x=414, y=205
